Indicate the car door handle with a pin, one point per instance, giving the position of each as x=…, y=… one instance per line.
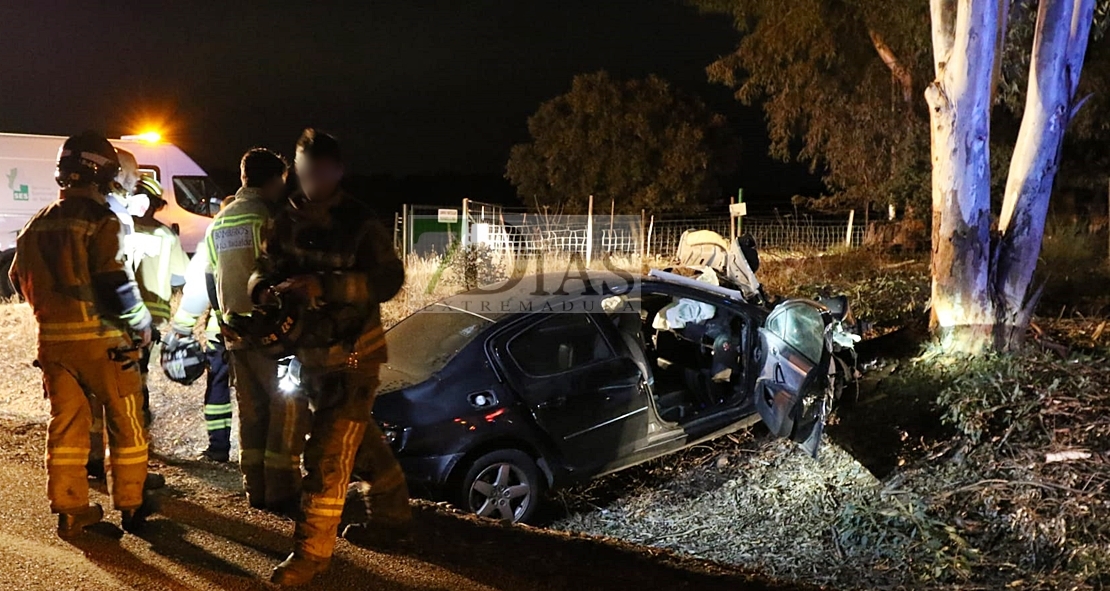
x=780, y=377
x=555, y=402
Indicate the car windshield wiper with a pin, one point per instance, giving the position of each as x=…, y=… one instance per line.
x=458, y=309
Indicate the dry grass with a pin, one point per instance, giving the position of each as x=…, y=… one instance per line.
x=21, y=392
x=747, y=500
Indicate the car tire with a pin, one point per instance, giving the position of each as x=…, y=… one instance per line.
x=504, y=485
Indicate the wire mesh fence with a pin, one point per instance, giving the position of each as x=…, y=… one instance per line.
x=425, y=230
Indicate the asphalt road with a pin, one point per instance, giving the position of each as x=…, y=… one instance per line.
x=207, y=538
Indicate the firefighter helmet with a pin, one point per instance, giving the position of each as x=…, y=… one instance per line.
x=149, y=186
x=85, y=159
x=183, y=360
x=274, y=329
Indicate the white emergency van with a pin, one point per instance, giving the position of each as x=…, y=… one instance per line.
x=27, y=163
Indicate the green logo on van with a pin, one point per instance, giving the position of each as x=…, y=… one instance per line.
x=19, y=192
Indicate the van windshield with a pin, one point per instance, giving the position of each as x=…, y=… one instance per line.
x=198, y=194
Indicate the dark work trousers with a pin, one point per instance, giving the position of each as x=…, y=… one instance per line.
x=217, y=398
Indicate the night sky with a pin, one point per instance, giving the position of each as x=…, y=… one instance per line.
x=408, y=86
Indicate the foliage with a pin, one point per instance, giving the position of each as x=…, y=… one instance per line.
x=995, y=396
x=897, y=530
x=814, y=67
x=831, y=101
x=640, y=143
x=882, y=289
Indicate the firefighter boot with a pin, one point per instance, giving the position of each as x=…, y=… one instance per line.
x=380, y=535
x=133, y=520
x=72, y=523
x=299, y=569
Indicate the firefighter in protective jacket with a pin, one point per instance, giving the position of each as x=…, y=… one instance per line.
x=70, y=268
x=329, y=252
x=271, y=425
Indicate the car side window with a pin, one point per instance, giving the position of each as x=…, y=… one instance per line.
x=559, y=343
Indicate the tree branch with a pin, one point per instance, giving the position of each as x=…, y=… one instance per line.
x=1078, y=33
x=896, y=68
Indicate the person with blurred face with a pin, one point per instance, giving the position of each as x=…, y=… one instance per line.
x=329, y=252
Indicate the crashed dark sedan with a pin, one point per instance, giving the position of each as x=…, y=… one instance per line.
x=489, y=400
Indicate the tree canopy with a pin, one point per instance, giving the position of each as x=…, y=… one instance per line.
x=641, y=143
x=842, y=85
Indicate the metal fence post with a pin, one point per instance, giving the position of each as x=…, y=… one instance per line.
x=465, y=228
x=590, y=232
x=643, y=243
x=396, y=226
x=851, y=220
x=404, y=229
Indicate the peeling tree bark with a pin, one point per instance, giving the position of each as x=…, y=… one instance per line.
x=964, y=39
x=1059, y=48
x=981, y=294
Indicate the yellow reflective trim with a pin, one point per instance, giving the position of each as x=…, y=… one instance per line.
x=328, y=501
x=78, y=337
x=325, y=512
x=67, y=450
x=66, y=462
x=251, y=456
x=116, y=461
x=162, y=310
x=131, y=413
x=66, y=325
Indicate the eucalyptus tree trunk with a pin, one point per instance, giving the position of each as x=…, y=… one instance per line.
x=1059, y=47
x=964, y=35
x=981, y=291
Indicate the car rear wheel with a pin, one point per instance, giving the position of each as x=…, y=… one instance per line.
x=504, y=485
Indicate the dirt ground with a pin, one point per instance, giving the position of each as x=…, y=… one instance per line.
x=206, y=537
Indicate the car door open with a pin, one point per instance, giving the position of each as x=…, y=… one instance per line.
x=797, y=384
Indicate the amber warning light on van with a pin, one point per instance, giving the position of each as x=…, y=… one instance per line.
x=150, y=137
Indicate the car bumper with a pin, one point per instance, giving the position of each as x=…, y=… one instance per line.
x=428, y=473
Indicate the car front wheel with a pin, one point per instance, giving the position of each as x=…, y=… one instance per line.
x=504, y=485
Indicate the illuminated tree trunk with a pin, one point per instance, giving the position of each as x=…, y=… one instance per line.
x=1059, y=45
x=964, y=34
x=981, y=295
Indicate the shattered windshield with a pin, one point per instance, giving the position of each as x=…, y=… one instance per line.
x=423, y=343
x=801, y=325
